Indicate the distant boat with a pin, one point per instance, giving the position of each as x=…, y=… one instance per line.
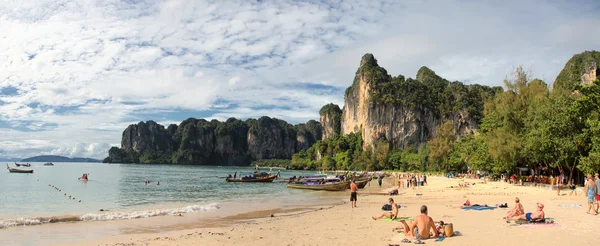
x=22, y=165
x=254, y=178
x=48, y=164
x=14, y=170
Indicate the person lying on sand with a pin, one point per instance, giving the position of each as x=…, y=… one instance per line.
x=393, y=214
x=517, y=210
x=538, y=214
x=422, y=223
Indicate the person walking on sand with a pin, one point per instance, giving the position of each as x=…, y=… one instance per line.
x=591, y=191
x=422, y=228
x=353, y=190
x=392, y=215
x=380, y=180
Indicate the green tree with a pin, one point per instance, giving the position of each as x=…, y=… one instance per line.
x=442, y=145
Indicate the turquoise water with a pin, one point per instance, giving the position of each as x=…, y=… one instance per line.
x=121, y=189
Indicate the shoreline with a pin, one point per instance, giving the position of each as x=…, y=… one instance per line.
x=341, y=225
x=74, y=231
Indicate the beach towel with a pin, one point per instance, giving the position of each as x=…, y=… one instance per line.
x=399, y=218
x=479, y=208
x=538, y=225
x=570, y=205
x=524, y=222
x=388, y=207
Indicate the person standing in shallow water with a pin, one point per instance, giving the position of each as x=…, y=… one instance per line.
x=353, y=193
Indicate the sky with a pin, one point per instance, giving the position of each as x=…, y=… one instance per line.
x=74, y=74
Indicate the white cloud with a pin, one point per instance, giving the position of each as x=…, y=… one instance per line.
x=84, y=70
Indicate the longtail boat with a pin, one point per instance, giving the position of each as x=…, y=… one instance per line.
x=22, y=165
x=361, y=183
x=335, y=186
x=253, y=179
x=14, y=170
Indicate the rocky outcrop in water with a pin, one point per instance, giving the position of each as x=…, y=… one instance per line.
x=198, y=141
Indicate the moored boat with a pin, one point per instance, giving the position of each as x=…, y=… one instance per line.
x=22, y=165
x=327, y=186
x=14, y=170
x=361, y=183
x=48, y=164
x=254, y=178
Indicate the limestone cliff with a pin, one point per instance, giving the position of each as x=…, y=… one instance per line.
x=197, y=141
x=407, y=111
x=331, y=120
x=581, y=69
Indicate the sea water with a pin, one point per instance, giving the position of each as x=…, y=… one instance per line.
x=55, y=194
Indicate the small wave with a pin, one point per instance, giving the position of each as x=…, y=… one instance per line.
x=107, y=216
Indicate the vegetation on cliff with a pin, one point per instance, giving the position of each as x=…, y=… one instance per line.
x=198, y=141
x=526, y=125
x=571, y=74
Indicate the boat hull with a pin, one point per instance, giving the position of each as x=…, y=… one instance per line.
x=13, y=170
x=258, y=180
x=326, y=187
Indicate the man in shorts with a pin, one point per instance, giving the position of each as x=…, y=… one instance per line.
x=392, y=215
x=353, y=190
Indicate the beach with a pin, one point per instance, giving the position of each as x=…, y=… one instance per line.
x=342, y=225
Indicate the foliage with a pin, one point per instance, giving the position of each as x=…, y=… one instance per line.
x=570, y=76
x=442, y=145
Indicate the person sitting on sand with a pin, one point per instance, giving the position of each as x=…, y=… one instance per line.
x=393, y=214
x=422, y=223
x=517, y=210
x=538, y=214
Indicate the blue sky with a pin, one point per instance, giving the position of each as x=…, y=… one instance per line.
x=75, y=74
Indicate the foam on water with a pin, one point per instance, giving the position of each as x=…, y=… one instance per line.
x=108, y=216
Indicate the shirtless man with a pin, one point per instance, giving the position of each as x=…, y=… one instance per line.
x=538, y=214
x=353, y=190
x=422, y=223
x=392, y=215
x=517, y=210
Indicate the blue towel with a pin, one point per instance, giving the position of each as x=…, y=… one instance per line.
x=479, y=208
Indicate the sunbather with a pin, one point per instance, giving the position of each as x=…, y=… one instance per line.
x=422, y=227
x=538, y=214
x=517, y=210
x=393, y=214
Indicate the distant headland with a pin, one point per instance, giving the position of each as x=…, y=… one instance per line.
x=57, y=158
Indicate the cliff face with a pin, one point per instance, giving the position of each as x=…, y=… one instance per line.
x=145, y=136
x=581, y=69
x=406, y=111
x=197, y=141
x=330, y=117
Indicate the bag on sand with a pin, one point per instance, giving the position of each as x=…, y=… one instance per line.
x=448, y=230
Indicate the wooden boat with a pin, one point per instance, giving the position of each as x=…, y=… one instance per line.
x=253, y=179
x=335, y=186
x=22, y=165
x=14, y=170
x=48, y=164
x=362, y=183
